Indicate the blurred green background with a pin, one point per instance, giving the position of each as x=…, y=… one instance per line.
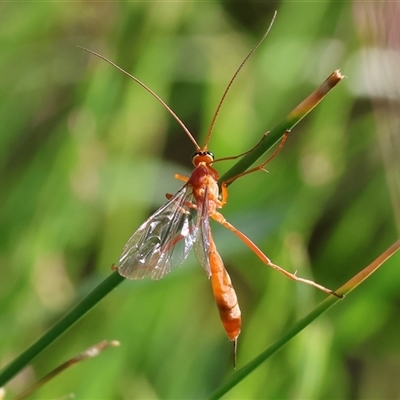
x=87, y=155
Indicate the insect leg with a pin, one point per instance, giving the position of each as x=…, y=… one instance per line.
x=262, y=165
x=242, y=154
x=220, y=218
x=181, y=177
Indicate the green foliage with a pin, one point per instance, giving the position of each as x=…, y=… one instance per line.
x=86, y=155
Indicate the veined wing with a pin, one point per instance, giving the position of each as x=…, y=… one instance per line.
x=202, y=244
x=163, y=241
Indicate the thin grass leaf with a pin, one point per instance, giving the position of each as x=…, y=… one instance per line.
x=60, y=327
x=292, y=119
x=91, y=352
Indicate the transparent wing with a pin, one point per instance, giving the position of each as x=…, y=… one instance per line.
x=163, y=241
x=202, y=244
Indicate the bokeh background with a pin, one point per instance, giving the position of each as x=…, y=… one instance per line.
x=87, y=155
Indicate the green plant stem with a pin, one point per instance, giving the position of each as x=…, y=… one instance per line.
x=60, y=327
x=276, y=134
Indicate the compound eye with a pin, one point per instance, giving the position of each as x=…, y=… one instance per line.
x=195, y=154
x=211, y=155
x=202, y=157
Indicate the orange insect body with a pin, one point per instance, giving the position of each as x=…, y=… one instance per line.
x=225, y=295
x=164, y=240
x=185, y=218
x=205, y=188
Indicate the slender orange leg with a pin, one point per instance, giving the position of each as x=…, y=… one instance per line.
x=181, y=177
x=262, y=165
x=242, y=154
x=220, y=218
x=225, y=297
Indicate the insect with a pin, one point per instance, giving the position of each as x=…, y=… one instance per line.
x=164, y=240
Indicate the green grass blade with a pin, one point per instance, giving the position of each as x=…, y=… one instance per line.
x=287, y=124
x=60, y=327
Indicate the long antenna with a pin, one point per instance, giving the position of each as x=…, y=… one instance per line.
x=232, y=79
x=150, y=91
